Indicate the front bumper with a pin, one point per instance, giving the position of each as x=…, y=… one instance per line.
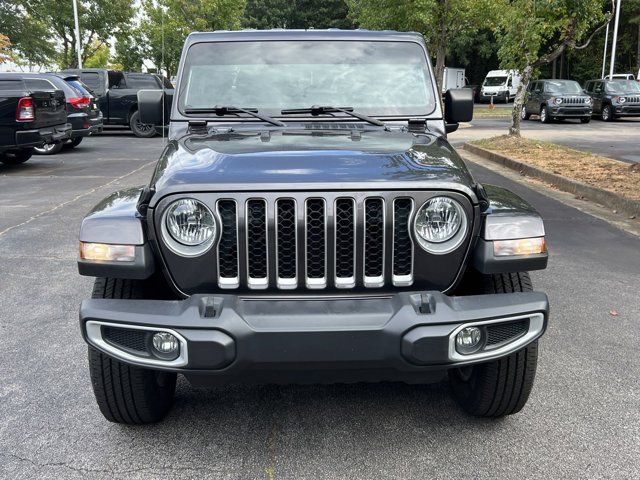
x=627, y=110
x=228, y=338
x=570, y=112
x=486, y=97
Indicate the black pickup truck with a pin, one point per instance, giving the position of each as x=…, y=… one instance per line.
x=28, y=119
x=308, y=221
x=117, y=94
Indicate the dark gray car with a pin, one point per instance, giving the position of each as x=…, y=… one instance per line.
x=557, y=99
x=614, y=98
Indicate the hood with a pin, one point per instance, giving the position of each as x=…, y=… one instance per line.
x=302, y=159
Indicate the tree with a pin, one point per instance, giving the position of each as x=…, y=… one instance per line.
x=532, y=33
x=166, y=24
x=29, y=37
x=4, y=48
x=130, y=53
x=265, y=14
x=100, y=57
x=99, y=21
x=440, y=21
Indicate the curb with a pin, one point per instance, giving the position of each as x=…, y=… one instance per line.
x=609, y=199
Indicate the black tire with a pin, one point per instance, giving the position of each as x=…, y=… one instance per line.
x=73, y=143
x=127, y=394
x=500, y=387
x=140, y=129
x=49, y=149
x=585, y=120
x=16, y=157
x=607, y=114
x=544, y=115
x=525, y=115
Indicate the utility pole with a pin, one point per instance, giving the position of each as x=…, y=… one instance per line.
x=615, y=40
x=604, y=55
x=78, y=43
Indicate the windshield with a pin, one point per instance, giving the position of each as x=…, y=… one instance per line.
x=495, y=81
x=374, y=78
x=565, y=86
x=623, y=86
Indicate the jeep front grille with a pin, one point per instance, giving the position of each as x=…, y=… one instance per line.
x=315, y=242
x=573, y=100
x=632, y=99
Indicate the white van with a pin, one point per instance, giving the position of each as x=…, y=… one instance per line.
x=620, y=76
x=501, y=85
x=453, y=78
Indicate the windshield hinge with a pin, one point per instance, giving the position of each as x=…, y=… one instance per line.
x=417, y=126
x=198, y=126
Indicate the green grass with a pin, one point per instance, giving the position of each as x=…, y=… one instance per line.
x=484, y=111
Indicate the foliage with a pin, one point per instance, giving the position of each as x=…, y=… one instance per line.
x=129, y=50
x=100, y=57
x=444, y=23
x=166, y=24
x=4, y=48
x=99, y=20
x=532, y=33
x=266, y=14
x=29, y=37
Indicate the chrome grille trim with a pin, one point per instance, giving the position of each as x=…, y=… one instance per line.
x=228, y=282
x=374, y=281
x=287, y=283
x=402, y=280
x=340, y=281
x=314, y=282
x=260, y=282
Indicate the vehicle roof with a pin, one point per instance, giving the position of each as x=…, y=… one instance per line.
x=311, y=34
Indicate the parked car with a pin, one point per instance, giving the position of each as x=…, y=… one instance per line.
x=614, y=98
x=283, y=239
x=620, y=76
x=29, y=118
x=555, y=100
x=500, y=85
x=116, y=93
x=82, y=112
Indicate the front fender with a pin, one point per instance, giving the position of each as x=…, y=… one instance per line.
x=509, y=217
x=116, y=221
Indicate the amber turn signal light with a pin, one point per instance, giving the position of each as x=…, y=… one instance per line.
x=521, y=246
x=104, y=252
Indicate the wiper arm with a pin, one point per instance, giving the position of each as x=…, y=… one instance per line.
x=229, y=110
x=319, y=110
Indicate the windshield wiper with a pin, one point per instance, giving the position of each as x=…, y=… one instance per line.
x=320, y=110
x=229, y=110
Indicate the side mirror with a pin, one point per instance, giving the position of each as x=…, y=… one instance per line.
x=150, y=103
x=458, y=107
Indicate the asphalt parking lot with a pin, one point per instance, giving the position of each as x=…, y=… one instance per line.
x=619, y=139
x=582, y=420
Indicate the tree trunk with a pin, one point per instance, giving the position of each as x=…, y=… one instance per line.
x=441, y=51
x=518, y=103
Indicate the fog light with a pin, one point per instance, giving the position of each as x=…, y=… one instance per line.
x=469, y=340
x=165, y=344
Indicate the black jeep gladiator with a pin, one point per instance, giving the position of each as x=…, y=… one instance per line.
x=309, y=222
x=29, y=118
x=117, y=95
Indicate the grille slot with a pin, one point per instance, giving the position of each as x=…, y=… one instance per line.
x=286, y=240
x=500, y=333
x=228, y=246
x=402, y=244
x=345, y=243
x=315, y=243
x=127, y=339
x=573, y=100
x=257, y=265
x=374, y=242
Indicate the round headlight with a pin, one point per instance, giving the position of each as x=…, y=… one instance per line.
x=440, y=225
x=190, y=226
x=622, y=99
x=587, y=100
x=557, y=101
